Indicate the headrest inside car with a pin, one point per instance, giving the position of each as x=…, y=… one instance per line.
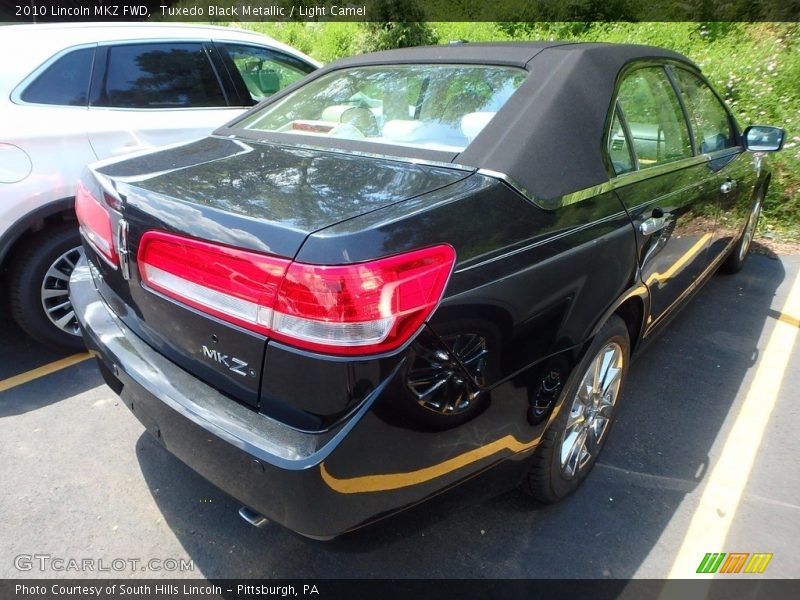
x=472, y=123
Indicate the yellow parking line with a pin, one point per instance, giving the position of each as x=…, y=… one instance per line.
x=7, y=384
x=714, y=515
x=785, y=318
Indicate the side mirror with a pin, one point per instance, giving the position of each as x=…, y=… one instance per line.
x=763, y=138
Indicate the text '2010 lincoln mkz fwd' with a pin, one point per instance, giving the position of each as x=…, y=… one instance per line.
x=411, y=267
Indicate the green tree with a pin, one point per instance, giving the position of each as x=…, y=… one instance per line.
x=397, y=24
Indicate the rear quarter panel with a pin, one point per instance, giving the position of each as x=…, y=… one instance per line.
x=543, y=278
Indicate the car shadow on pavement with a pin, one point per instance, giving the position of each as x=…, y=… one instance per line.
x=50, y=389
x=677, y=398
x=20, y=354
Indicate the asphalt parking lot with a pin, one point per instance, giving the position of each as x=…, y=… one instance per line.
x=703, y=459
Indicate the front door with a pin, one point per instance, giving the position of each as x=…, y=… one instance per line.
x=665, y=185
x=716, y=135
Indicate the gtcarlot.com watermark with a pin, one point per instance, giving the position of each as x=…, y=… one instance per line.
x=69, y=564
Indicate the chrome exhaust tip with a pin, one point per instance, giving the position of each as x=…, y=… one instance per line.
x=252, y=517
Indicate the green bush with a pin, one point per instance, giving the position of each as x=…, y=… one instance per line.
x=755, y=66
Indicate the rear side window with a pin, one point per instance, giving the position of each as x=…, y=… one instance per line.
x=265, y=71
x=618, y=150
x=65, y=82
x=165, y=75
x=710, y=120
x=658, y=129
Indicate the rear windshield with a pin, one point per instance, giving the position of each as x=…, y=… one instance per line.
x=436, y=107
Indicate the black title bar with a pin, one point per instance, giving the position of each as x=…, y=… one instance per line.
x=755, y=588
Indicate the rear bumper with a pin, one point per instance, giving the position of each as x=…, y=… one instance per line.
x=317, y=484
x=264, y=464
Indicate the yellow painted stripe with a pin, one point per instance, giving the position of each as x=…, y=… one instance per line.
x=716, y=510
x=698, y=247
x=391, y=481
x=7, y=384
x=784, y=318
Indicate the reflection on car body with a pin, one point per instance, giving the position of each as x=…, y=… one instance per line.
x=429, y=263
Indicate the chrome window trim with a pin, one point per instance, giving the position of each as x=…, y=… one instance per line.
x=516, y=185
x=624, y=179
x=613, y=183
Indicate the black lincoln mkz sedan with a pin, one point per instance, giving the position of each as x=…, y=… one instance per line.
x=411, y=267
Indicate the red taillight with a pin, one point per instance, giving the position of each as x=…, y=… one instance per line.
x=234, y=285
x=361, y=308
x=366, y=307
x=95, y=223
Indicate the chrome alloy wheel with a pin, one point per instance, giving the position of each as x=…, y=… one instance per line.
x=55, y=291
x=591, y=410
x=750, y=230
x=437, y=381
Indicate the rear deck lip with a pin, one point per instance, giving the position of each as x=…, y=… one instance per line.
x=252, y=432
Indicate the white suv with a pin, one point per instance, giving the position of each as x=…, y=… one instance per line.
x=75, y=93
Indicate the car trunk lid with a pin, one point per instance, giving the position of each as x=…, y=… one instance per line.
x=244, y=196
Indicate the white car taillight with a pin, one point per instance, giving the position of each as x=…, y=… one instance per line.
x=95, y=223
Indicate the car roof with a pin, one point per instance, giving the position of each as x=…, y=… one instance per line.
x=547, y=137
x=499, y=53
x=97, y=32
x=42, y=41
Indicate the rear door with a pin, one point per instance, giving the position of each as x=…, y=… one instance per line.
x=666, y=187
x=47, y=118
x=148, y=94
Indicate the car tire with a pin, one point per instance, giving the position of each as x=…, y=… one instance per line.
x=38, y=286
x=738, y=255
x=570, y=446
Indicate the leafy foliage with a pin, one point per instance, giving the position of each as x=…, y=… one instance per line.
x=399, y=25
